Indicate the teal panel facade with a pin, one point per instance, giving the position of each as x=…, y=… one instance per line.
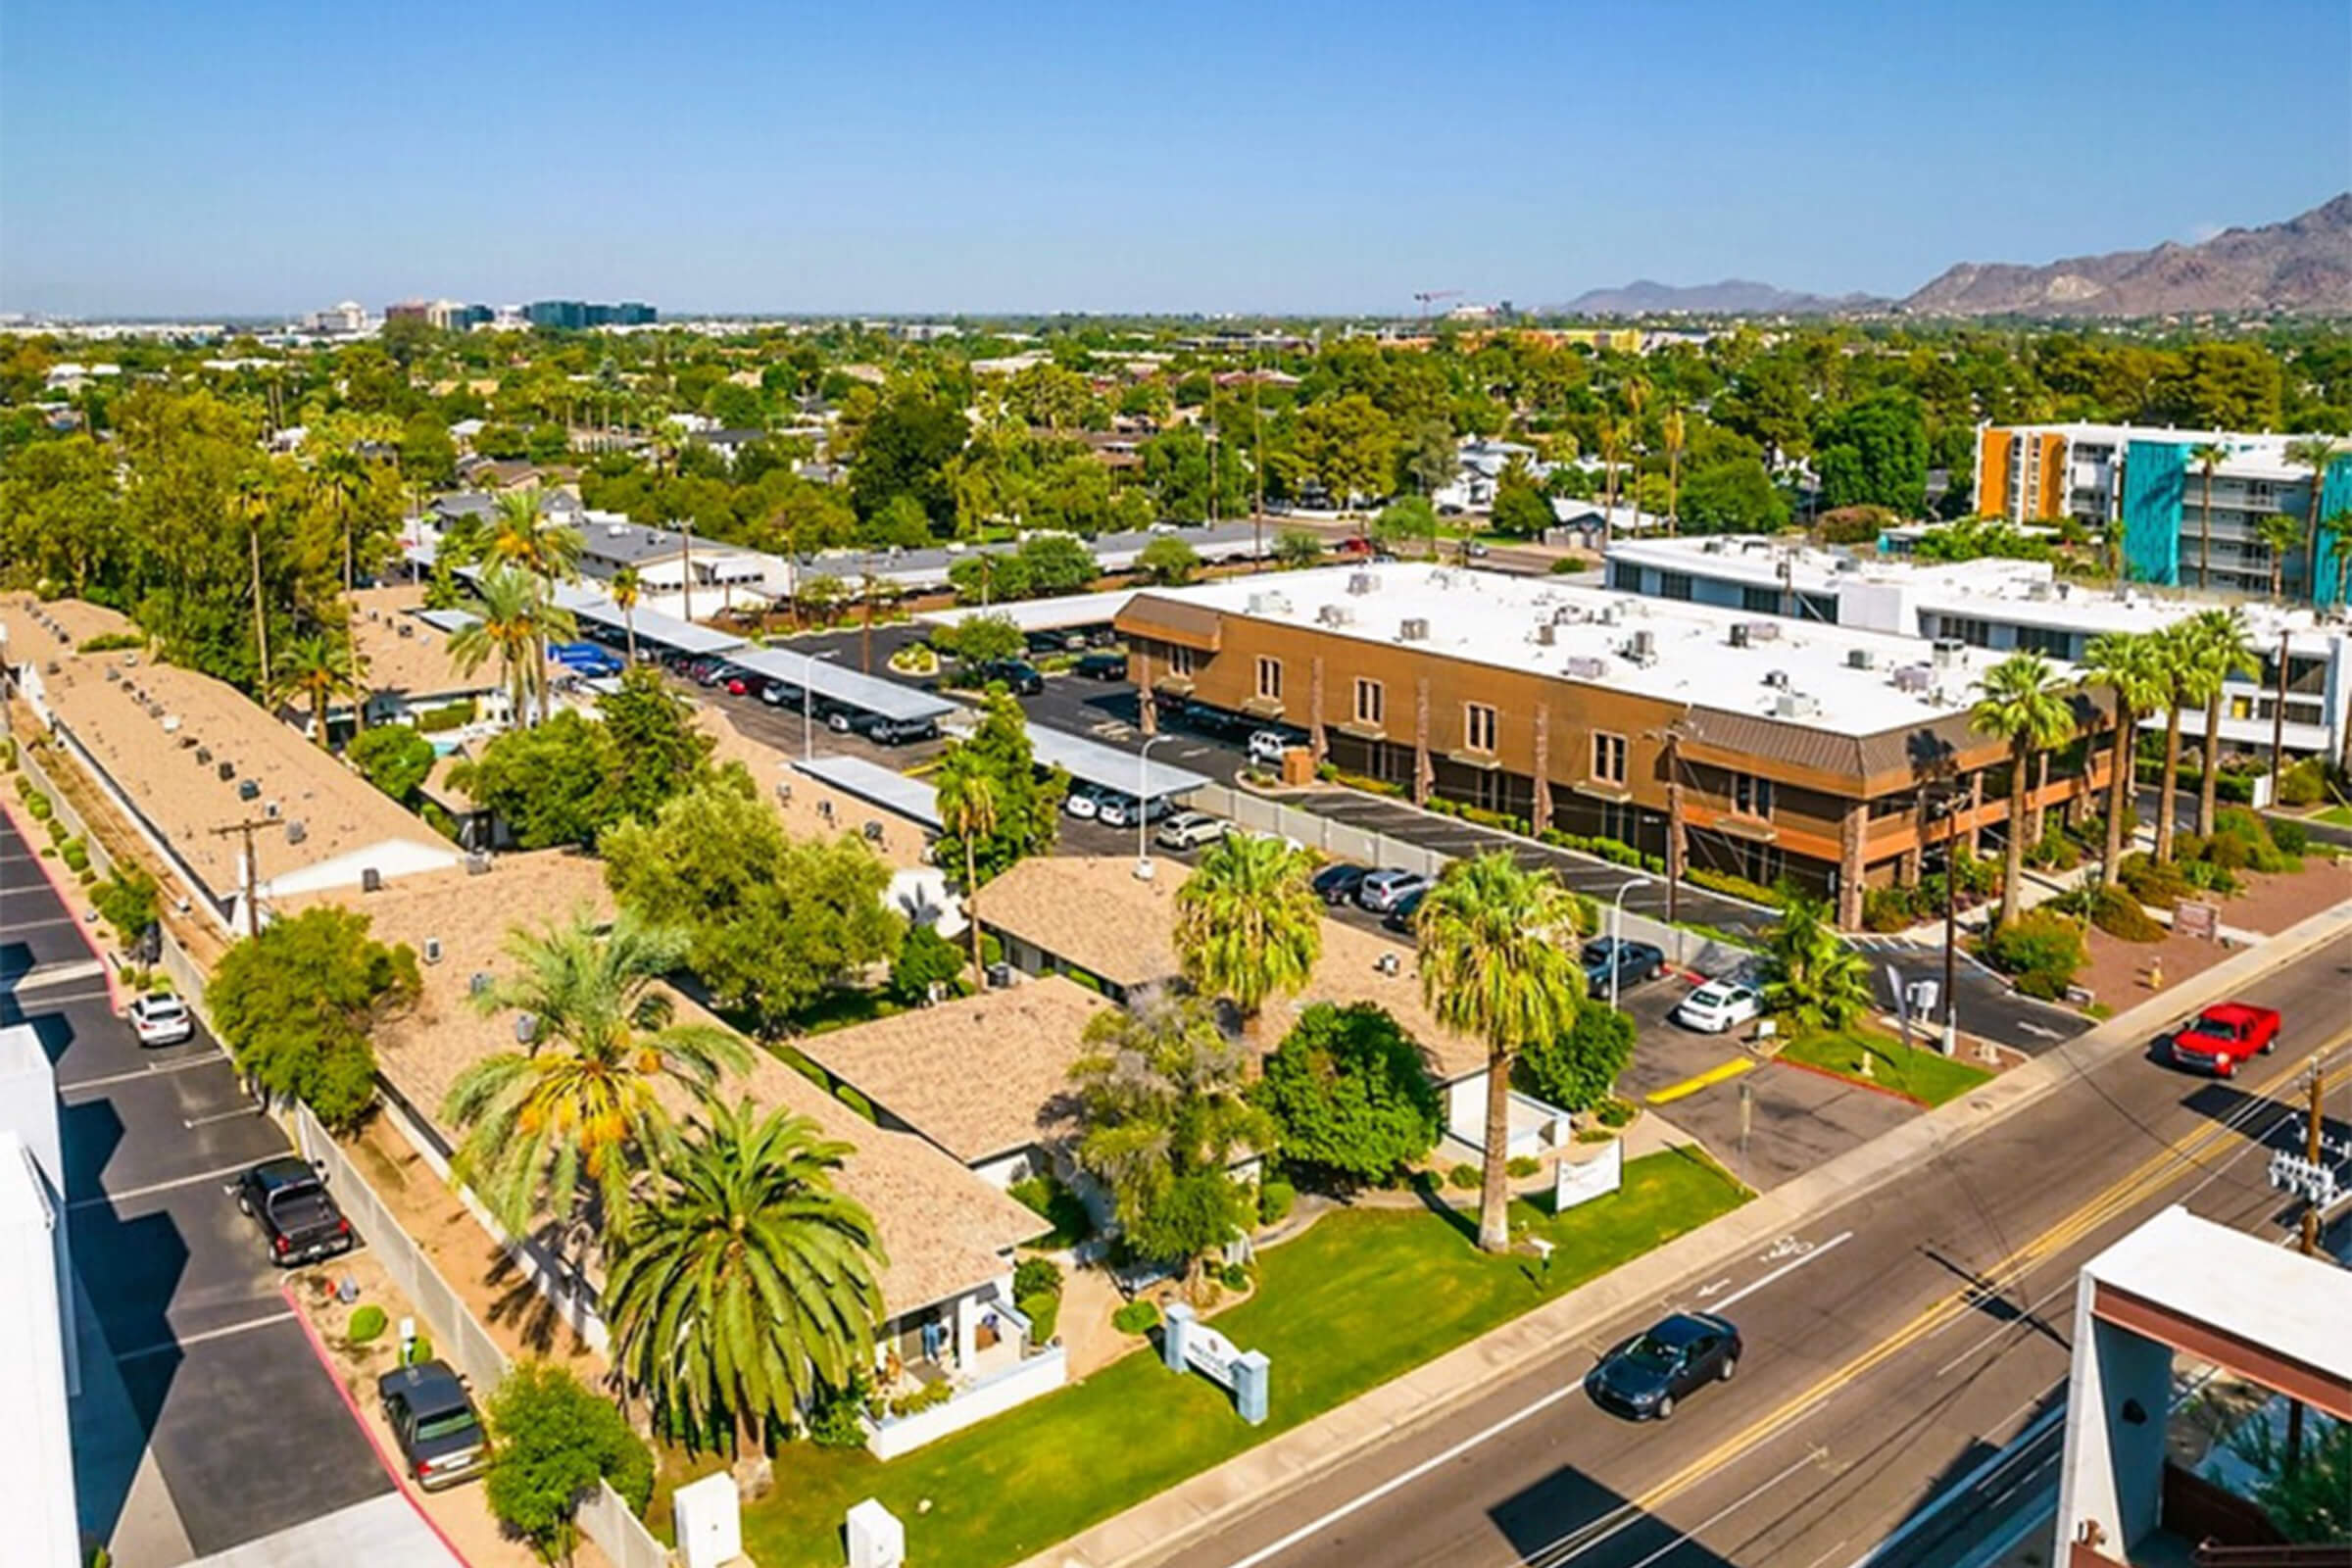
x=2335, y=544
x=2155, y=479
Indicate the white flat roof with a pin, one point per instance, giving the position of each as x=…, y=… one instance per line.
x=1108, y=766
x=869, y=781
x=2253, y=1289
x=1042, y=614
x=1497, y=618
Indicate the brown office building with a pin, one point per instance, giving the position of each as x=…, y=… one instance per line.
x=1819, y=753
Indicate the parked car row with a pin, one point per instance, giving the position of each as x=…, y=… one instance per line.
x=1091, y=802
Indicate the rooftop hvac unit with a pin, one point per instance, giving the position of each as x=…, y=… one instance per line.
x=229, y=770
x=406, y=630
x=1777, y=678
x=1848, y=563
x=1763, y=631
x=1607, y=616
x=526, y=1028
x=1914, y=678
x=1796, y=705
x=1642, y=649
x=1362, y=582
x=372, y=880
x=155, y=707
x=1861, y=658
x=1739, y=635
x=270, y=809
x=204, y=756
x=478, y=983
x=1387, y=963
x=1949, y=652
x=296, y=832
x=784, y=788
x=1587, y=667
x=1710, y=547
x=1414, y=629
x=113, y=675
x=2037, y=590
x=1269, y=604
x=478, y=864
x=1546, y=634
x=1333, y=615
x=248, y=789
x=432, y=950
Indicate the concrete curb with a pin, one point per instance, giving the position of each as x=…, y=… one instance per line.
x=1159, y=1527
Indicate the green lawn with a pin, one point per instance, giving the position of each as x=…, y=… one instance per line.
x=2338, y=815
x=1356, y=1299
x=1927, y=1075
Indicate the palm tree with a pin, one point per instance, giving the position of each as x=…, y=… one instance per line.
x=2176, y=661
x=1249, y=923
x=251, y=502
x=512, y=620
x=625, y=589
x=748, y=1283
x=582, y=1099
x=316, y=674
x=2207, y=456
x=523, y=537
x=2023, y=704
x=342, y=479
x=1671, y=428
x=2280, y=534
x=2127, y=664
x=2316, y=452
x=968, y=805
x=2222, y=646
x=1612, y=442
x=1496, y=944
x=1811, y=974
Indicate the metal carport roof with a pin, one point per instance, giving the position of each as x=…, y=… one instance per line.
x=911, y=797
x=868, y=694
x=1108, y=766
x=1043, y=614
x=682, y=636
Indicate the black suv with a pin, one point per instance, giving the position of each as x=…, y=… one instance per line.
x=434, y=1420
x=1104, y=667
x=299, y=1223
x=1337, y=883
x=1631, y=962
x=1019, y=676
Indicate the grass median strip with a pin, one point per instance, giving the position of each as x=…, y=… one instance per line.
x=1927, y=1076
x=1359, y=1298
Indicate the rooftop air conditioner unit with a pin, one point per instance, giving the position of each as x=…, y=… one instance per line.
x=204, y=756
x=1587, y=667
x=1739, y=635
x=1414, y=629
x=229, y=770
x=1848, y=563
x=296, y=832
x=1763, y=631
x=248, y=789
x=1360, y=583
x=1949, y=652
x=1861, y=658
x=526, y=1028
x=1387, y=963
x=406, y=630
x=1642, y=649
x=113, y=675
x=2037, y=590
x=1914, y=678
x=1777, y=678
x=478, y=864
x=270, y=809
x=1796, y=705
x=372, y=880
x=1546, y=634
x=478, y=983
x=1712, y=547
x=432, y=950
x=1607, y=616
x=1333, y=615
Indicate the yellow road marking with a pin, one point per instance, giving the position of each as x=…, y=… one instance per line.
x=1707, y=1079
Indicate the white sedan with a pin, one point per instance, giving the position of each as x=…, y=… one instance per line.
x=159, y=1019
x=1717, y=1007
x=1082, y=803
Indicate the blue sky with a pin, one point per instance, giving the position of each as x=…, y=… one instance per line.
x=257, y=157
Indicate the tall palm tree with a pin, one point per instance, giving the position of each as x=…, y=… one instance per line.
x=2280, y=534
x=1672, y=429
x=2127, y=664
x=2316, y=452
x=580, y=1104
x=523, y=536
x=1496, y=944
x=252, y=502
x=1249, y=923
x=2207, y=456
x=626, y=588
x=513, y=621
x=342, y=478
x=748, y=1283
x=968, y=803
x=2024, y=706
x=314, y=674
x=2175, y=653
x=2222, y=646
x=1612, y=443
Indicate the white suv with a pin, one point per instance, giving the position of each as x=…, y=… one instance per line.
x=1189, y=830
x=159, y=1019
x=1267, y=747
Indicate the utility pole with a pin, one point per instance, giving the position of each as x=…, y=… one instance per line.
x=1257, y=469
x=250, y=879
x=2278, y=719
x=2313, y=1149
x=686, y=568
x=1951, y=923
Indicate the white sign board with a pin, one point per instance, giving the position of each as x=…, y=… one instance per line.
x=1580, y=1183
x=1212, y=1354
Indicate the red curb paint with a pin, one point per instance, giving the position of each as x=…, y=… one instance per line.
x=81, y=928
x=1847, y=1078
x=383, y=1457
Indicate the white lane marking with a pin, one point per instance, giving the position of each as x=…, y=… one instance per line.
x=1963, y=1487
x=2022, y=1319
x=48, y=1006
x=194, y=1122
x=208, y=1059
x=42, y=977
x=1705, y=1291
x=185, y=1340
x=1317, y=1527
x=152, y=1188
x=1634, y=1516
x=1808, y=1255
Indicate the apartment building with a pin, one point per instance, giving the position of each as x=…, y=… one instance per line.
x=2147, y=481
x=2004, y=606
x=1719, y=738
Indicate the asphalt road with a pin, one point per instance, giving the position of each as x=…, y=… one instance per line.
x=245, y=1426
x=1895, y=1347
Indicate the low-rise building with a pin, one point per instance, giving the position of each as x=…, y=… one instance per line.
x=1751, y=745
x=409, y=671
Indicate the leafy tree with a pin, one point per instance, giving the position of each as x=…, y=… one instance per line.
x=658, y=748
x=1576, y=1070
x=926, y=960
x=990, y=577
x=555, y=1440
x=1875, y=453
x=1811, y=975
x=979, y=640
x=128, y=901
x=1168, y=562
x=581, y=1101
x=1734, y=495
x=749, y=1283
x=1350, y=446
x=1350, y=1094
x=1024, y=809
x=1249, y=924
x=1295, y=548
x=296, y=1006
x=2310, y=1500
x=1427, y=458
x=1404, y=522
x=393, y=757
x=1176, y=472
x=1521, y=511
x=770, y=922
x=903, y=449
x=1496, y=944
x=2023, y=704
x=1163, y=1112
x=550, y=785
x=1057, y=564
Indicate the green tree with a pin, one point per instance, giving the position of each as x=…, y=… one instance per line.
x=2172, y=652
x=2024, y=706
x=2128, y=665
x=1350, y=446
x=1578, y=1068
x=1025, y=808
x=990, y=577
x=316, y=674
x=513, y=619
x=550, y=785
x=749, y=1283
x=1057, y=564
x=2281, y=535
x=297, y=1006
x=1296, y=547
x=978, y=641
x=2310, y=1500
x=1733, y=495
x=970, y=801
x=128, y=900
x=2315, y=454
x=904, y=449
x=926, y=960
x=582, y=1102
x=1427, y=458
x=2220, y=646
x=1404, y=522
x=1176, y=472
x=1811, y=975
x=771, y=923
x=393, y=757
x=627, y=589
x=1875, y=453
x=1496, y=944
x=1168, y=562
x=553, y=1441
x=658, y=750
x=1521, y=510
x=1249, y=924
x=1350, y=1093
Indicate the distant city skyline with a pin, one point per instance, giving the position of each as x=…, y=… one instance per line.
x=1314, y=158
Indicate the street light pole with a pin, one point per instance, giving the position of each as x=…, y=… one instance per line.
x=1617, y=939
x=1951, y=922
x=1142, y=817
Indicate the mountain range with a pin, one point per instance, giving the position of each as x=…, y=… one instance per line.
x=2302, y=267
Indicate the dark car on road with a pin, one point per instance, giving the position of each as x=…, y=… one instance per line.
x=1019, y=676
x=1642, y=1378
x=434, y=1422
x=1406, y=911
x=1632, y=963
x=1104, y=667
x=299, y=1223
x=1337, y=884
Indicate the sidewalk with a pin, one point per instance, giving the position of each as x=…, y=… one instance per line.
x=1159, y=1527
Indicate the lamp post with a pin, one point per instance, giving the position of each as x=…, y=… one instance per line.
x=1142, y=817
x=1950, y=807
x=1617, y=939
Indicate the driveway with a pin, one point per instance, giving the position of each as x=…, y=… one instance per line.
x=212, y=1380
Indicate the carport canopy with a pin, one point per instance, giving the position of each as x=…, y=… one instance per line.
x=869, y=694
x=1043, y=614
x=651, y=626
x=1107, y=768
x=911, y=797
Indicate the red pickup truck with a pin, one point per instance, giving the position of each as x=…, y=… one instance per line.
x=2218, y=1038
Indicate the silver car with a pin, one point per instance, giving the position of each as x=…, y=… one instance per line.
x=1189, y=830
x=1384, y=889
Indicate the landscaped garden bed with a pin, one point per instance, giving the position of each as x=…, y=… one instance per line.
x=1927, y=1076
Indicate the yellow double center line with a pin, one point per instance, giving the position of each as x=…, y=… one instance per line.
x=2149, y=1177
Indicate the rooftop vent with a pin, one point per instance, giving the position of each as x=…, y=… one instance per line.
x=1712, y=547
x=1949, y=652
x=229, y=770
x=432, y=950
x=204, y=756
x=113, y=675
x=1643, y=647
x=526, y=1028
x=270, y=809
x=479, y=984
x=1777, y=678
x=1796, y=704
x=1413, y=629
x=477, y=865
x=170, y=723
x=296, y=832
x=1861, y=658
x=248, y=789
x=1546, y=634
x=1739, y=635
x=372, y=880
x=2037, y=590
x=1848, y=563
x=406, y=630
x=1387, y=963
x=1914, y=678
x=1586, y=667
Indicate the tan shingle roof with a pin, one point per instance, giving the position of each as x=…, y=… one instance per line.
x=416, y=665
x=944, y=1228
x=979, y=1077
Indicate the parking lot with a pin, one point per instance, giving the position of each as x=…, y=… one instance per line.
x=198, y=1363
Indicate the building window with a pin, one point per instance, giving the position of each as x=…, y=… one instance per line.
x=1478, y=727
x=1969, y=629
x=1751, y=796
x=1371, y=703
x=2046, y=640
x=1760, y=601
x=1180, y=661
x=1822, y=608
x=1674, y=585
x=1608, y=757
x=1625, y=576
x=1269, y=679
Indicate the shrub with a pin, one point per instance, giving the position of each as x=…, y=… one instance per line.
x=1464, y=1176
x=39, y=805
x=420, y=1350
x=2226, y=850
x=2118, y=913
x=2054, y=851
x=110, y=642
x=77, y=853
x=1036, y=1276
x=2304, y=784
x=1890, y=909
x=1577, y=1069
x=2207, y=877
x=1737, y=887
x=1616, y=1113
x=1055, y=1202
x=1274, y=1200
x=833, y=1416
x=1044, y=1312
x=2043, y=950
x=437, y=721
x=1236, y=1276
x=1136, y=1317
x=1522, y=1167
x=1350, y=1093
x=2153, y=883
x=367, y=1323
x=854, y=1100
x=2292, y=838
x=7, y=754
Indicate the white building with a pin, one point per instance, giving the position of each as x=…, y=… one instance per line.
x=38, y=1352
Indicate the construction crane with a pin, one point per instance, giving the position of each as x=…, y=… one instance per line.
x=1430, y=296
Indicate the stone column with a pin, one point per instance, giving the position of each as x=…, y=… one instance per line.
x=1146, y=710
x=1422, y=774
x=1176, y=1330
x=1906, y=867
x=1315, y=735
x=1849, y=865
x=1542, y=808
x=1975, y=804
